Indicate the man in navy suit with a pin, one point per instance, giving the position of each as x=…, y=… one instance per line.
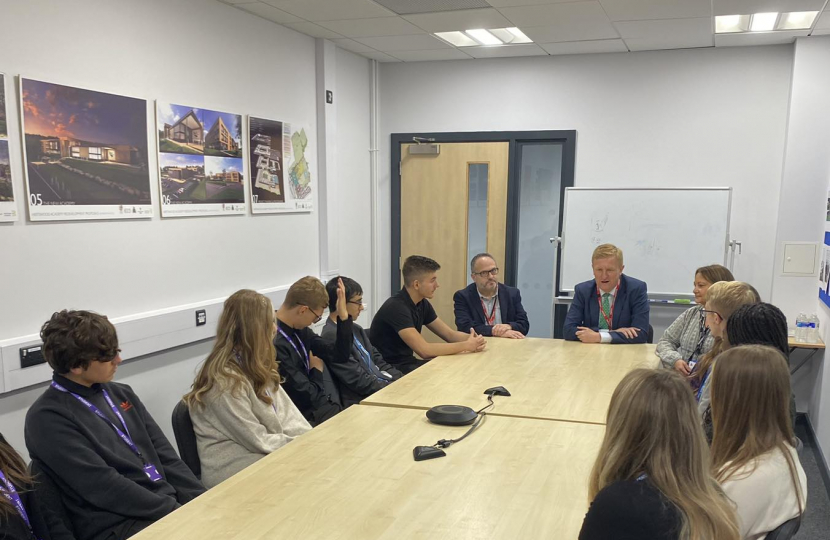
x=490, y=308
x=612, y=307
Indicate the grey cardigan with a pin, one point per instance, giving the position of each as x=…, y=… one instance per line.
x=681, y=338
x=234, y=430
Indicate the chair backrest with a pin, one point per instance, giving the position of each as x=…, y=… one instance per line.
x=186, y=438
x=650, y=334
x=786, y=531
x=49, y=499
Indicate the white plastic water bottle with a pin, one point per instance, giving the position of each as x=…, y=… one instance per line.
x=812, y=333
x=801, y=328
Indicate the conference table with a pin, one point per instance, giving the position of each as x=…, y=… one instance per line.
x=522, y=474
x=549, y=379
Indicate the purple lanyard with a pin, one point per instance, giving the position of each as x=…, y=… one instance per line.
x=303, y=355
x=124, y=435
x=10, y=493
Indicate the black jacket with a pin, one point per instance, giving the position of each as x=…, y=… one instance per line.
x=315, y=393
x=469, y=314
x=102, y=482
x=355, y=378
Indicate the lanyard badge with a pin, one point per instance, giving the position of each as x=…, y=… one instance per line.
x=149, y=469
x=491, y=318
x=10, y=493
x=609, y=317
x=303, y=355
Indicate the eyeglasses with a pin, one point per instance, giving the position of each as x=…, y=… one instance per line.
x=316, y=317
x=361, y=304
x=710, y=311
x=486, y=273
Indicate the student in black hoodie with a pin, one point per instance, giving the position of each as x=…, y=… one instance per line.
x=366, y=372
x=23, y=516
x=116, y=470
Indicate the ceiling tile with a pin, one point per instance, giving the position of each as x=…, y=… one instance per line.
x=352, y=45
x=576, y=21
x=757, y=38
x=511, y=3
x=269, y=12
x=638, y=10
x=746, y=7
x=331, y=10
x=459, y=20
x=404, y=43
x=313, y=30
x=675, y=42
x=439, y=54
x=408, y=7
x=379, y=56
x=232, y=2
x=700, y=27
x=529, y=49
x=823, y=24
x=583, y=47
x=381, y=26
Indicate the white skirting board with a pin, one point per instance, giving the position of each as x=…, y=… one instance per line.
x=138, y=335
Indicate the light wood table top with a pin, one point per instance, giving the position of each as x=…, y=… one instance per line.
x=793, y=344
x=550, y=379
x=354, y=477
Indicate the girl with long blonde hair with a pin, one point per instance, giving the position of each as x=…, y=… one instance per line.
x=239, y=410
x=652, y=477
x=753, y=453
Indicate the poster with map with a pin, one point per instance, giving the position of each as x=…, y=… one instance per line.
x=8, y=208
x=86, y=153
x=201, y=164
x=280, y=175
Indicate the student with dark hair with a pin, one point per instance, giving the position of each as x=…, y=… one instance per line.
x=305, y=359
x=487, y=306
x=652, y=477
x=366, y=372
x=753, y=452
x=396, y=327
x=116, y=470
x=687, y=339
x=23, y=515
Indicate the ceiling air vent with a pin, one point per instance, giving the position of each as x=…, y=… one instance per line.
x=409, y=7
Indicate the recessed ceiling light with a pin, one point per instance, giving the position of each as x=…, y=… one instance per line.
x=459, y=39
x=763, y=22
x=797, y=20
x=519, y=36
x=484, y=37
x=725, y=24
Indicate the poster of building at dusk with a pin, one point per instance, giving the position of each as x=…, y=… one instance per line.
x=86, y=153
x=8, y=208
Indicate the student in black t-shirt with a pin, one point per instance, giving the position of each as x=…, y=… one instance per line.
x=396, y=327
x=116, y=471
x=652, y=476
x=304, y=357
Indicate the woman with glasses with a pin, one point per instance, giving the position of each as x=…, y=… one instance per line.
x=688, y=339
x=239, y=409
x=367, y=371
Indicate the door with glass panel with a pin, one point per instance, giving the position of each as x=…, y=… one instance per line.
x=453, y=206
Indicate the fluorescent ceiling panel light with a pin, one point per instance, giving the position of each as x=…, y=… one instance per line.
x=728, y=24
x=797, y=20
x=518, y=36
x=459, y=39
x=484, y=37
x=763, y=22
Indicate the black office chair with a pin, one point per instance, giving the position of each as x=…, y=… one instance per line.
x=48, y=495
x=186, y=438
x=650, y=334
x=786, y=530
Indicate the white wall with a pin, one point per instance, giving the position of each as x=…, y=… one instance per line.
x=706, y=117
x=125, y=267
x=801, y=216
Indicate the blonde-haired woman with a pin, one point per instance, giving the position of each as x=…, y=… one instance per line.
x=752, y=451
x=652, y=477
x=240, y=412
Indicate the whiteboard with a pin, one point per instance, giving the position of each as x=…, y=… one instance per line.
x=665, y=234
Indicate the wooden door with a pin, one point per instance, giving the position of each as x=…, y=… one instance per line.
x=435, y=208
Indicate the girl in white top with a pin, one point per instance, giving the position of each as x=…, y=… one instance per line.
x=752, y=451
x=240, y=412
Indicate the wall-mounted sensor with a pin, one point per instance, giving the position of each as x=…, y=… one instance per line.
x=201, y=317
